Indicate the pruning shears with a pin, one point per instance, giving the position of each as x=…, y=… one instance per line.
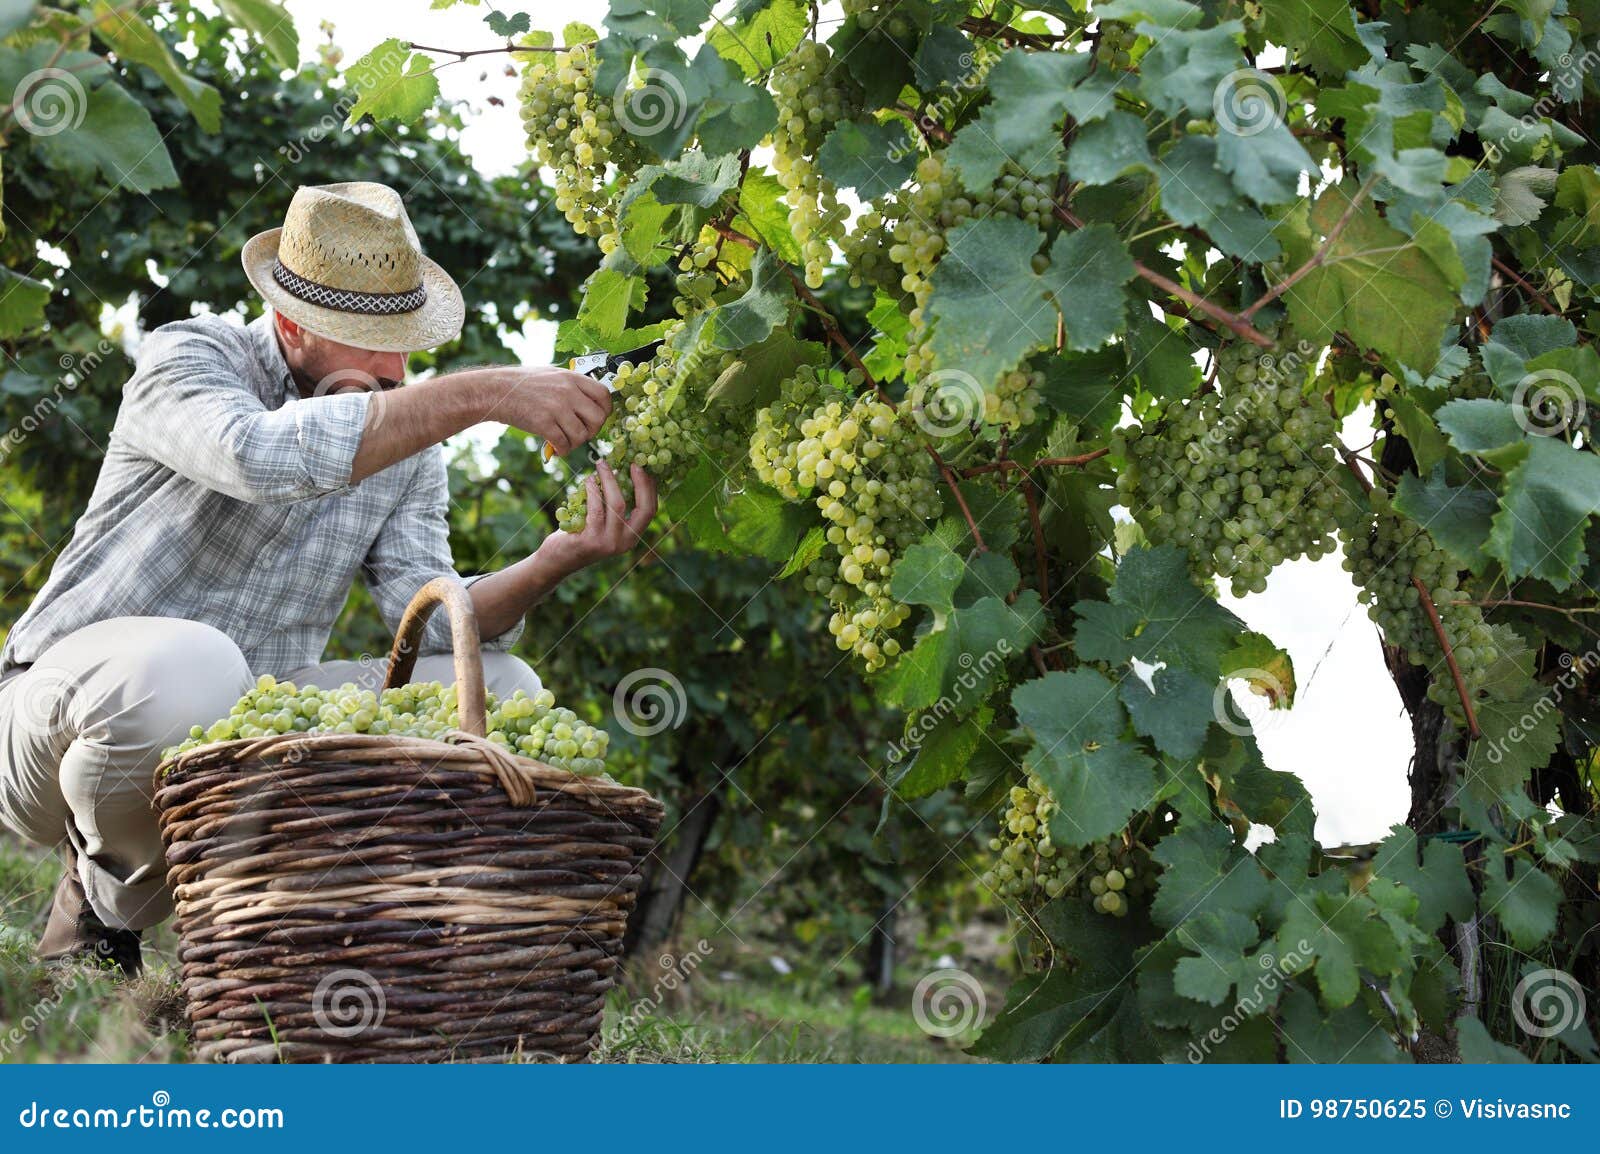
x=603, y=367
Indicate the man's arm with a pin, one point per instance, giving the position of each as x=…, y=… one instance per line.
x=564, y=408
x=504, y=597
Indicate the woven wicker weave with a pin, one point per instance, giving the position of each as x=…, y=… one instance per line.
x=348, y=898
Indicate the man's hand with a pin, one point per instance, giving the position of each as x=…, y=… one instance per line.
x=562, y=407
x=609, y=528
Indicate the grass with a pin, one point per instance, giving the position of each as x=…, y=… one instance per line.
x=750, y=1014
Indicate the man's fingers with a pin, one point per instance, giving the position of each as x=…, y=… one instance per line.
x=611, y=491
x=644, y=501
x=592, y=415
x=593, y=390
x=596, y=515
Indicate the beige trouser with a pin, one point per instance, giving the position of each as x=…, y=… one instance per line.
x=82, y=730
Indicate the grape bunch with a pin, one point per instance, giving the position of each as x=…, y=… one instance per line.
x=1116, y=44
x=572, y=130
x=1383, y=553
x=811, y=96
x=1030, y=868
x=659, y=419
x=1243, y=479
x=871, y=481
x=533, y=726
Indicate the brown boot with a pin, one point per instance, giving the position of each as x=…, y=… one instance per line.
x=75, y=932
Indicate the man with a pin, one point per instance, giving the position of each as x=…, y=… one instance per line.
x=252, y=472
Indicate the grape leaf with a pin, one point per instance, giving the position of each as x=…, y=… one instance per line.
x=1345, y=1035
x=269, y=23
x=1548, y=499
x=1265, y=161
x=607, y=299
x=942, y=754
x=1375, y=283
x=117, y=138
x=810, y=548
x=1345, y=934
x=1480, y=425
x=1022, y=121
x=1175, y=714
x=1184, y=67
x=989, y=308
x=751, y=318
x=391, y=83
x=1223, y=942
x=1099, y=780
x=1264, y=666
x=133, y=40
x=928, y=575
x=22, y=301
x=1104, y=150
x=987, y=575
x=760, y=35
x=917, y=679
x=1439, y=879
x=13, y=15
x=1195, y=191
x=1323, y=32
x=1156, y=613
x=1458, y=517
x=1526, y=902
x=1205, y=871
x=1478, y=1047
x=1161, y=13
x=872, y=158
x=763, y=523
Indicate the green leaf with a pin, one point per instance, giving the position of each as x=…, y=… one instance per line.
x=607, y=298
x=1223, y=942
x=269, y=23
x=990, y=309
x=1458, y=517
x=1439, y=878
x=762, y=207
x=1347, y=1035
x=751, y=318
x=576, y=33
x=758, y=40
x=1264, y=666
x=1345, y=934
x=942, y=754
x=1098, y=779
x=917, y=679
x=1184, y=67
x=135, y=41
x=1478, y=1047
x=1176, y=713
x=22, y=301
x=1321, y=32
x=1157, y=614
x=928, y=575
x=1526, y=902
x=1426, y=441
x=872, y=158
x=1205, y=870
x=1196, y=192
x=391, y=83
x=810, y=548
x=987, y=575
x=697, y=178
x=1547, y=502
x=1375, y=283
x=1104, y=150
x=734, y=115
x=991, y=632
x=508, y=26
x=14, y=14
x=1161, y=13
x=116, y=138
x=1480, y=425
x=1029, y=95
x=765, y=524
x=1264, y=159
x=752, y=381
x=1518, y=718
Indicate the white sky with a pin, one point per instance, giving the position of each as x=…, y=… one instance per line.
x=1347, y=737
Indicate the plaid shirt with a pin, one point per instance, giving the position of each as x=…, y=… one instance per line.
x=225, y=498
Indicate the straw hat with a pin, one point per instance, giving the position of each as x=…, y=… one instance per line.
x=346, y=265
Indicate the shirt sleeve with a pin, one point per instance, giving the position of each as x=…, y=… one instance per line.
x=189, y=406
x=413, y=548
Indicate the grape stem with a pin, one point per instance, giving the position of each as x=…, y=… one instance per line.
x=1517, y=603
x=1043, y=462
x=465, y=53
x=1473, y=731
x=1521, y=282
x=1317, y=258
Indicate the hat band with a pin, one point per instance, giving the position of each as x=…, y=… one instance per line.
x=347, y=300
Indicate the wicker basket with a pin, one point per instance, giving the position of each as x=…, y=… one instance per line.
x=359, y=898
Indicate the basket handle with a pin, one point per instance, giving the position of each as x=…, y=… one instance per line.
x=453, y=595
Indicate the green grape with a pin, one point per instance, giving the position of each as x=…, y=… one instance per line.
x=861, y=461
x=812, y=96
x=1243, y=479
x=533, y=726
x=659, y=419
x=1384, y=552
x=572, y=130
x=1031, y=869
x=1116, y=44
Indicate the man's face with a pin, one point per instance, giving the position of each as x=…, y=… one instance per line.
x=322, y=366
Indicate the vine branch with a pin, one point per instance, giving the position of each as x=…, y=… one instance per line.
x=1317, y=258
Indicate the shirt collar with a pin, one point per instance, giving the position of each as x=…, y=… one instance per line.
x=270, y=357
